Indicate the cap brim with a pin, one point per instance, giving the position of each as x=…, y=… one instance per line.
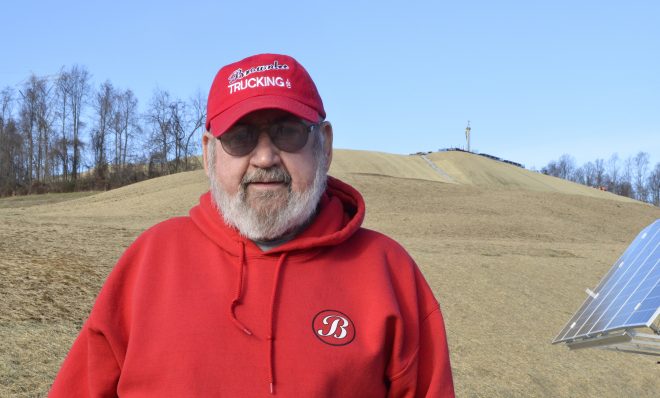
x=222, y=122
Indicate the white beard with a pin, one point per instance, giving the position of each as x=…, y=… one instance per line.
x=260, y=218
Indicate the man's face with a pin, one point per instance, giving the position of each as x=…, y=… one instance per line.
x=268, y=192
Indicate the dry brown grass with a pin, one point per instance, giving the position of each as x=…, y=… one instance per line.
x=480, y=171
x=34, y=200
x=509, y=266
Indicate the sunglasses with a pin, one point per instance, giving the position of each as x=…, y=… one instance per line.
x=286, y=135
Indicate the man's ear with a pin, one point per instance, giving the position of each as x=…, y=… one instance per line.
x=205, y=143
x=326, y=130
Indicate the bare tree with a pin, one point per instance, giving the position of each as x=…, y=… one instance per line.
x=158, y=116
x=42, y=146
x=551, y=169
x=27, y=127
x=176, y=127
x=613, y=173
x=565, y=166
x=37, y=126
x=78, y=92
x=63, y=90
x=625, y=186
x=118, y=131
x=125, y=125
x=28, y=124
x=12, y=159
x=10, y=145
x=178, y=122
x=653, y=185
x=641, y=165
x=580, y=175
x=589, y=174
x=195, y=126
x=599, y=173
x=6, y=105
x=104, y=110
x=45, y=126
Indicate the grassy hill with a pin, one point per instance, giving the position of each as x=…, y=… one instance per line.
x=507, y=251
x=471, y=169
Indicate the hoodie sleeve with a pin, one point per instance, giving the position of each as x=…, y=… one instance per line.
x=428, y=373
x=419, y=358
x=89, y=370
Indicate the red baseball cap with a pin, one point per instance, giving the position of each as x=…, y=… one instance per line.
x=263, y=81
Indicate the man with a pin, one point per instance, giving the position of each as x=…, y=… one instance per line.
x=270, y=286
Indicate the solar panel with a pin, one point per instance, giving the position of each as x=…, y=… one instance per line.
x=627, y=297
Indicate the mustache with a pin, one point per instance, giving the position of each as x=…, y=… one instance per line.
x=273, y=174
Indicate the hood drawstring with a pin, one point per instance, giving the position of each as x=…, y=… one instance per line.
x=271, y=333
x=273, y=298
x=239, y=291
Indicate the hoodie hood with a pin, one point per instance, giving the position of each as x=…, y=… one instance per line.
x=341, y=213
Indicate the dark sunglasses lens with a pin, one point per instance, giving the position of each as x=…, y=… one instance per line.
x=289, y=136
x=239, y=140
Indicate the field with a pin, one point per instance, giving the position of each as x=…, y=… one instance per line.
x=508, y=253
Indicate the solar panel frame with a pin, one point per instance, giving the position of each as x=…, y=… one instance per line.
x=628, y=296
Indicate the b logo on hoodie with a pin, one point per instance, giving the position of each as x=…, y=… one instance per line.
x=333, y=327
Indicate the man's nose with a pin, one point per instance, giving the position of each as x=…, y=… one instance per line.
x=265, y=154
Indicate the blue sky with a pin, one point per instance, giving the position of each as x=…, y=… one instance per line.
x=535, y=79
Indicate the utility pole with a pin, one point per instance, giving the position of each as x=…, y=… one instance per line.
x=467, y=135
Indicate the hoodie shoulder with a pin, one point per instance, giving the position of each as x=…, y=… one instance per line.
x=173, y=231
x=170, y=226
x=378, y=241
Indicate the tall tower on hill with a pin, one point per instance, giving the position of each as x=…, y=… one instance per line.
x=467, y=135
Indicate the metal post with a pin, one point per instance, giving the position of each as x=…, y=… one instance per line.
x=467, y=135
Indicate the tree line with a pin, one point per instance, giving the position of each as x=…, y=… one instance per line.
x=631, y=177
x=59, y=134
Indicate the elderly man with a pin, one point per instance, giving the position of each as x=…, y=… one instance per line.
x=271, y=285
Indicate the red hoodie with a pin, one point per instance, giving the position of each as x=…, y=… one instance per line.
x=193, y=309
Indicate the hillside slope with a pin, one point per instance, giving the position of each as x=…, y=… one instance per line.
x=462, y=168
x=471, y=169
x=347, y=161
x=509, y=263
